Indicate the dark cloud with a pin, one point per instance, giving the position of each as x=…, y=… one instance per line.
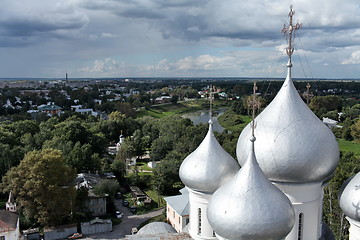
x=24, y=23
x=148, y=31
x=25, y=28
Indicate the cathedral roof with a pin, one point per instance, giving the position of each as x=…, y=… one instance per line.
x=8, y=221
x=349, y=197
x=156, y=228
x=294, y=146
x=250, y=207
x=208, y=167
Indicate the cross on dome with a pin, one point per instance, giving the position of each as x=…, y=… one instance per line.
x=255, y=104
x=307, y=94
x=289, y=32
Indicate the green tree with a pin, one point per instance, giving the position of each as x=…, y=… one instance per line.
x=22, y=127
x=80, y=158
x=43, y=186
x=117, y=116
x=174, y=99
x=238, y=107
x=9, y=157
x=355, y=130
x=119, y=165
x=322, y=104
x=125, y=108
x=73, y=130
x=166, y=178
x=107, y=186
x=137, y=143
x=349, y=165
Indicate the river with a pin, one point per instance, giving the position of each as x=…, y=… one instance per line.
x=203, y=116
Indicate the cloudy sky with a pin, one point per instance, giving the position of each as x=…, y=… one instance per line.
x=177, y=38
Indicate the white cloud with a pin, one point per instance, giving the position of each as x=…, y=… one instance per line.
x=354, y=59
x=107, y=66
x=108, y=35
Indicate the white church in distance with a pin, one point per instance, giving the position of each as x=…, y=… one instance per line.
x=287, y=156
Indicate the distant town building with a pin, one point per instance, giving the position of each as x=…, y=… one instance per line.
x=9, y=225
x=50, y=108
x=59, y=232
x=96, y=204
x=331, y=123
x=96, y=225
x=8, y=104
x=162, y=99
x=121, y=141
x=11, y=204
x=98, y=101
x=152, y=164
x=87, y=111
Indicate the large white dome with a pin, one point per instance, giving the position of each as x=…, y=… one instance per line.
x=350, y=198
x=293, y=145
x=208, y=167
x=250, y=207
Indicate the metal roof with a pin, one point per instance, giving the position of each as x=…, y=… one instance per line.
x=208, y=167
x=250, y=206
x=294, y=145
x=179, y=203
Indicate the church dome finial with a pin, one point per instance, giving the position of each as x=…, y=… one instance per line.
x=294, y=145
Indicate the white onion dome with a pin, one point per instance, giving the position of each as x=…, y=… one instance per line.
x=349, y=198
x=294, y=146
x=208, y=167
x=250, y=207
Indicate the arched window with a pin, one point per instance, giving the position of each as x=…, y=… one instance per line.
x=300, y=226
x=199, y=220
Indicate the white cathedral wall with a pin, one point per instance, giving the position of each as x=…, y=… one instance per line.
x=200, y=201
x=307, y=203
x=354, y=230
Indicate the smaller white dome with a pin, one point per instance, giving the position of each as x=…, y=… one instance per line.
x=208, y=167
x=250, y=207
x=349, y=197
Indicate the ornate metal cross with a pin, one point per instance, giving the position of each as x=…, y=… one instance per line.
x=289, y=32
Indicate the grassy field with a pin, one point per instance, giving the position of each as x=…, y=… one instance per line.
x=158, y=199
x=142, y=166
x=233, y=122
x=349, y=146
x=164, y=110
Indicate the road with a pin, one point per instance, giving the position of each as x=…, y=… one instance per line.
x=128, y=222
